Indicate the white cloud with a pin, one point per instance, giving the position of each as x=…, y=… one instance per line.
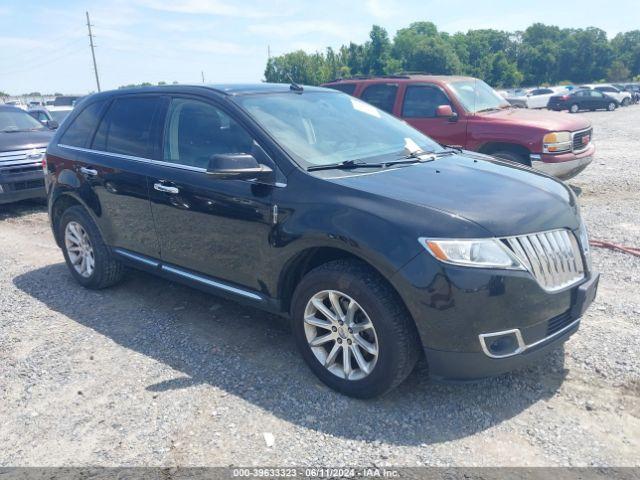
x=381, y=9
x=207, y=7
x=217, y=47
x=296, y=28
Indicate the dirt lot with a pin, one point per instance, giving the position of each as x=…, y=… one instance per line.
x=152, y=373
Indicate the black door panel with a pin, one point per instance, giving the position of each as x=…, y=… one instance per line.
x=120, y=190
x=217, y=227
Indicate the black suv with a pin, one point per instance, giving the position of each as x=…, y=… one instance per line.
x=378, y=243
x=23, y=141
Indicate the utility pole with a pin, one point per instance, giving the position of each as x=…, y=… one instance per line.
x=93, y=53
x=268, y=52
x=202, y=74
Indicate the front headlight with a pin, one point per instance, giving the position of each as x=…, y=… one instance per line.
x=482, y=253
x=556, y=142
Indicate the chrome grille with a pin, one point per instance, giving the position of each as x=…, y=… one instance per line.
x=21, y=157
x=579, y=138
x=553, y=258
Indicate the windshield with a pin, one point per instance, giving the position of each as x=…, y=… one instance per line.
x=322, y=128
x=15, y=121
x=476, y=96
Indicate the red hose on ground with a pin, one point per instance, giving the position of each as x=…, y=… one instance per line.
x=612, y=246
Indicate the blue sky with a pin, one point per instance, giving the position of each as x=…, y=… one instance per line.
x=44, y=46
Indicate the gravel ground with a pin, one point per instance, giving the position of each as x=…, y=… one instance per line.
x=153, y=373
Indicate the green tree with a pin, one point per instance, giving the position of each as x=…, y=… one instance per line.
x=618, y=72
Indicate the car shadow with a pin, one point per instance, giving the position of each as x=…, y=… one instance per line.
x=22, y=208
x=251, y=354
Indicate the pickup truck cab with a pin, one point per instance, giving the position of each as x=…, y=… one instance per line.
x=468, y=113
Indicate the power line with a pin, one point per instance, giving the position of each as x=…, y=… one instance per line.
x=93, y=53
x=59, y=55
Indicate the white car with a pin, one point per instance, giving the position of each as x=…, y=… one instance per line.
x=623, y=98
x=535, y=97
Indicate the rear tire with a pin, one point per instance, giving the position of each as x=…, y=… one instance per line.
x=574, y=108
x=372, y=371
x=512, y=156
x=89, y=260
x=625, y=102
x=611, y=107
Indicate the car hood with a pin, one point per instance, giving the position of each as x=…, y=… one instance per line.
x=543, y=120
x=503, y=198
x=24, y=140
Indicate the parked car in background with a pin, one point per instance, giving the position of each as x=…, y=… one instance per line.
x=466, y=112
x=264, y=194
x=17, y=103
x=633, y=89
x=583, y=99
x=536, y=97
x=23, y=141
x=622, y=97
x=66, y=100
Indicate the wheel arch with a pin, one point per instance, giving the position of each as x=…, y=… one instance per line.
x=493, y=147
x=59, y=205
x=308, y=259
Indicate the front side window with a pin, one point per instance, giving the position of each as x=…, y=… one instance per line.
x=127, y=127
x=381, y=95
x=320, y=128
x=79, y=132
x=476, y=96
x=197, y=130
x=595, y=93
x=421, y=101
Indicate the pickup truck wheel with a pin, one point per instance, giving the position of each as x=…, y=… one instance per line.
x=611, y=107
x=574, y=108
x=513, y=156
x=88, y=258
x=352, y=329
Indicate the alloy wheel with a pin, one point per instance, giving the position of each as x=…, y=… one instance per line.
x=341, y=335
x=79, y=249
x=612, y=107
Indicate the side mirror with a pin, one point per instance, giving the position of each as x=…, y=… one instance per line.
x=445, y=111
x=52, y=124
x=237, y=166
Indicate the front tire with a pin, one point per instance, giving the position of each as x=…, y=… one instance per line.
x=574, y=108
x=625, y=102
x=611, y=107
x=88, y=258
x=353, y=330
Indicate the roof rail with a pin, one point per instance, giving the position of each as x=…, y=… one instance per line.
x=413, y=72
x=368, y=77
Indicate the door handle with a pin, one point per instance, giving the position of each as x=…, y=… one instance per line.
x=88, y=171
x=165, y=188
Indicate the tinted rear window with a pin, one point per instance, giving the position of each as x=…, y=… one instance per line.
x=127, y=127
x=79, y=132
x=344, y=87
x=381, y=95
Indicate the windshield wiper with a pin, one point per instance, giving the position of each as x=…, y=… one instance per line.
x=346, y=165
x=490, y=109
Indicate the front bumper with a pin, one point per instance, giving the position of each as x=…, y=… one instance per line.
x=563, y=166
x=21, y=183
x=455, y=307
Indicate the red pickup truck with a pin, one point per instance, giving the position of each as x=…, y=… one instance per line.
x=466, y=112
